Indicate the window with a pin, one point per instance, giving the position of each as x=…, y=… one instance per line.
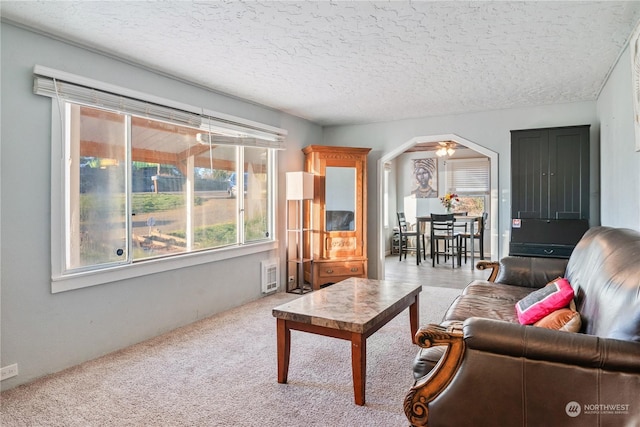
x=136, y=188
x=469, y=178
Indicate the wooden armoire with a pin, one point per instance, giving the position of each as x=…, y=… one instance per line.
x=338, y=216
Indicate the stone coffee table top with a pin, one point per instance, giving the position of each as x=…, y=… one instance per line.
x=355, y=304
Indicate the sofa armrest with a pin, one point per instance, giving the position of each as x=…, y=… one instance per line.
x=532, y=272
x=428, y=388
x=493, y=265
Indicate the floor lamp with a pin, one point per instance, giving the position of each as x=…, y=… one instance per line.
x=299, y=189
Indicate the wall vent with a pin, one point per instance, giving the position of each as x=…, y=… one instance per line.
x=270, y=276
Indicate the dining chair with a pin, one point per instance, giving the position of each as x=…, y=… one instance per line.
x=461, y=226
x=477, y=234
x=443, y=230
x=405, y=234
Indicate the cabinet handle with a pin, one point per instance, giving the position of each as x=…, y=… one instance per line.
x=329, y=271
x=548, y=251
x=354, y=269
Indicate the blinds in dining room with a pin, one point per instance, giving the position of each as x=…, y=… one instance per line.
x=468, y=176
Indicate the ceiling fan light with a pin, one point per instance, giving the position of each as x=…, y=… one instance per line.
x=450, y=151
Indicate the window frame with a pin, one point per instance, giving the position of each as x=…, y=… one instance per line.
x=61, y=280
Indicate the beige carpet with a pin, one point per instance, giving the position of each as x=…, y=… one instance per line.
x=221, y=371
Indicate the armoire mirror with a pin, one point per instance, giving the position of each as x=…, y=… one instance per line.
x=340, y=190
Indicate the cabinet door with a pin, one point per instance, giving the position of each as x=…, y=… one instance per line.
x=569, y=173
x=529, y=174
x=550, y=173
x=339, y=218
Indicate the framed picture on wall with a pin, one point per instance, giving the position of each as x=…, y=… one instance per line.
x=634, y=47
x=425, y=176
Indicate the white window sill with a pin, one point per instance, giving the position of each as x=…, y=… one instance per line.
x=124, y=272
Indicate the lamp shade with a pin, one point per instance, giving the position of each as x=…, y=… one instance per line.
x=299, y=185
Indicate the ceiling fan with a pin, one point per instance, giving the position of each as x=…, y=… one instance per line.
x=446, y=148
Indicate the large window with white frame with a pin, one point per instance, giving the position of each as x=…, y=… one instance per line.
x=136, y=186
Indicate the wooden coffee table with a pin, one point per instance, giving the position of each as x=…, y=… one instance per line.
x=350, y=310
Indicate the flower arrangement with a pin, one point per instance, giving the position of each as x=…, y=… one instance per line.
x=449, y=200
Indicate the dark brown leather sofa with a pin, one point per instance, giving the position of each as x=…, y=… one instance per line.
x=480, y=367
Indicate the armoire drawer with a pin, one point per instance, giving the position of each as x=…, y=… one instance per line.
x=335, y=269
x=540, y=250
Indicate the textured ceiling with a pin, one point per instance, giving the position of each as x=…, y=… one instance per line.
x=358, y=62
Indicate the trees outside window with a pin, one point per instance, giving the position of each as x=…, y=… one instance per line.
x=138, y=188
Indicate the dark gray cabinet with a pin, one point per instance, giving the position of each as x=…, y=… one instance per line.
x=550, y=173
x=550, y=190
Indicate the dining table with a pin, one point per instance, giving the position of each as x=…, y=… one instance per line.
x=467, y=219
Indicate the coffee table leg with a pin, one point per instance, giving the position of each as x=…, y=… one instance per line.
x=359, y=366
x=284, y=349
x=414, y=315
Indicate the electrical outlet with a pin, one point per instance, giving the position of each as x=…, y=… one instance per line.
x=291, y=279
x=8, y=371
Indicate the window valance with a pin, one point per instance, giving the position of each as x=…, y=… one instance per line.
x=217, y=128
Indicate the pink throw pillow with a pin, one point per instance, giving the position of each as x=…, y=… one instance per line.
x=538, y=304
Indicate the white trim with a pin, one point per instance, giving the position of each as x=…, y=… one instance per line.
x=634, y=48
x=129, y=271
x=57, y=191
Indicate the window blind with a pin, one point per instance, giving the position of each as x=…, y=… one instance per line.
x=81, y=90
x=468, y=175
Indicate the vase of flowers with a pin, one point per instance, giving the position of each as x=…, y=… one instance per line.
x=449, y=200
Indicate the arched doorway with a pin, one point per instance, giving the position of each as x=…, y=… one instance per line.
x=401, y=149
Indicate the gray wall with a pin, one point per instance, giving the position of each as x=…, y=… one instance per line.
x=620, y=162
x=490, y=129
x=45, y=332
